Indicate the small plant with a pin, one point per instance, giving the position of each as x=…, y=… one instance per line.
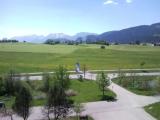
x=142, y=64
x=158, y=85
x=80, y=78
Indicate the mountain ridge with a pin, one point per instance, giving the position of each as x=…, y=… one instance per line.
x=142, y=33
x=41, y=38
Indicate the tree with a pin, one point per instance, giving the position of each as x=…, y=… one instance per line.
x=57, y=100
x=84, y=70
x=121, y=77
x=23, y=101
x=9, y=83
x=78, y=108
x=133, y=79
x=9, y=112
x=46, y=80
x=61, y=75
x=137, y=42
x=2, y=88
x=103, y=81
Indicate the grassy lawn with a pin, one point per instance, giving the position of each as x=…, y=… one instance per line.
x=87, y=91
x=39, y=57
x=138, y=84
x=154, y=110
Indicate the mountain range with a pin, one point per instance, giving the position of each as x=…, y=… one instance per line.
x=41, y=38
x=142, y=33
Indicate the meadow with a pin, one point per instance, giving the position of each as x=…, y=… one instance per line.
x=27, y=57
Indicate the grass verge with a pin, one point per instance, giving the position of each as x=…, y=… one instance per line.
x=141, y=85
x=154, y=110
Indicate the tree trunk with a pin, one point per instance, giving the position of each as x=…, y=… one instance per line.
x=103, y=92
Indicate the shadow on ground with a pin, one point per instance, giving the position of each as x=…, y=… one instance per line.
x=108, y=98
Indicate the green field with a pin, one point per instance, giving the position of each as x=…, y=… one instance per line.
x=154, y=109
x=27, y=57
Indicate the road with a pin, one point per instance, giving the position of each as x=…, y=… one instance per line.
x=128, y=106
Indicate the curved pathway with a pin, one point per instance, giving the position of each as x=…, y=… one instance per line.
x=128, y=106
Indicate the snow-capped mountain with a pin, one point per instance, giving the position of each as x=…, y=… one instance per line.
x=41, y=38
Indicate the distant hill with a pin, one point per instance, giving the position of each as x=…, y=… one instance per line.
x=56, y=36
x=143, y=33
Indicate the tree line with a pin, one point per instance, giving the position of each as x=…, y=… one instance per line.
x=8, y=41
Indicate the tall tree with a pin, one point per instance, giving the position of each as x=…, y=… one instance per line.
x=46, y=80
x=10, y=82
x=103, y=81
x=57, y=100
x=2, y=87
x=62, y=77
x=78, y=109
x=23, y=101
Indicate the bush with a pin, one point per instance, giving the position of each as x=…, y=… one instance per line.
x=80, y=78
x=103, y=47
x=158, y=85
x=107, y=43
x=23, y=101
x=2, y=88
x=9, y=83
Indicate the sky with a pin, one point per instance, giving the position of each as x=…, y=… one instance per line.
x=42, y=17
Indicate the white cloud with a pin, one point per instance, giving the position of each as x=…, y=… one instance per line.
x=110, y=2
x=129, y=1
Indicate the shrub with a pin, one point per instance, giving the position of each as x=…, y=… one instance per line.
x=80, y=78
x=103, y=47
x=158, y=85
x=107, y=43
x=9, y=82
x=2, y=88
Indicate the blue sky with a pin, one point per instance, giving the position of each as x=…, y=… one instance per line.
x=41, y=17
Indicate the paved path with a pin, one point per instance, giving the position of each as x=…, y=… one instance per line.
x=128, y=106
x=91, y=75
